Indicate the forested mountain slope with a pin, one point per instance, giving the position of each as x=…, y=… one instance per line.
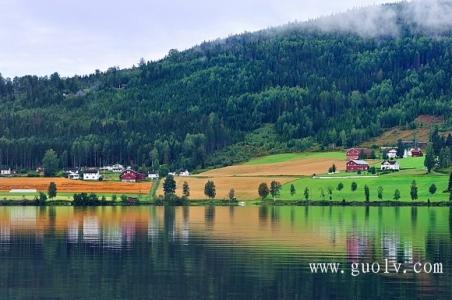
x=307, y=83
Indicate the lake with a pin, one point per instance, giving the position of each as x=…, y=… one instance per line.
x=222, y=252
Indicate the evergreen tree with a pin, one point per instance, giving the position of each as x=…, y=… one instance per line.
x=186, y=190
x=366, y=193
x=340, y=186
x=400, y=148
x=306, y=193
x=413, y=190
x=169, y=186
x=209, y=189
x=52, y=190
x=429, y=161
x=292, y=190
x=432, y=189
x=396, y=194
x=380, y=193
x=50, y=163
x=354, y=186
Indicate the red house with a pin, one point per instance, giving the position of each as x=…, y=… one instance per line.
x=354, y=153
x=356, y=165
x=416, y=152
x=131, y=176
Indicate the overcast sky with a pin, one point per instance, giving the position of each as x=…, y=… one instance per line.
x=79, y=36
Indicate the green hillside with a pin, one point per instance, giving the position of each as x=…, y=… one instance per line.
x=278, y=90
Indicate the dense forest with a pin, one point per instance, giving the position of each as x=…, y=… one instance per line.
x=284, y=89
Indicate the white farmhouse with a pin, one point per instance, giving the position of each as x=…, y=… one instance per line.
x=73, y=175
x=117, y=168
x=184, y=173
x=392, y=153
x=391, y=165
x=153, y=176
x=92, y=174
x=6, y=172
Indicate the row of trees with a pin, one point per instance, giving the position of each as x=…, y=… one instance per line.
x=169, y=189
x=275, y=187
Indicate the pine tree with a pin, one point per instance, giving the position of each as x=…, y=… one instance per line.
x=186, y=190
x=210, y=190
x=429, y=161
x=292, y=190
x=413, y=190
x=306, y=193
x=169, y=185
x=380, y=193
x=366, y=193
x=52, y=190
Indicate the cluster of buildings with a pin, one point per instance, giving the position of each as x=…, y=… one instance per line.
x=126, y=174
x=356, y=158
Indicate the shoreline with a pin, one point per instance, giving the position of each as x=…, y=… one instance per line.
x=305, y=203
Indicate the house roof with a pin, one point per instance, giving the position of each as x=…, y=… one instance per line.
x=359, y=162
x=391, y=162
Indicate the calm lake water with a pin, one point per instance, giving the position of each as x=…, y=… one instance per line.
x=220, y=252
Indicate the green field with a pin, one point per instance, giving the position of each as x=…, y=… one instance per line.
x=277, y=158
x=62, y=196
x=389, y=182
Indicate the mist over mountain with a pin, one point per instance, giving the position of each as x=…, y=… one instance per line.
x=428, y=17
x=334, y=81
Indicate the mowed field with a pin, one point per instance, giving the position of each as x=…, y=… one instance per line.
x=291, y=164
x=245, y=187
x=65, y=185
x=389, y=183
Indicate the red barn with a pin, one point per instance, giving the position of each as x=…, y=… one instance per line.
x=131, y=176
x=356, y=165
x=354, y=153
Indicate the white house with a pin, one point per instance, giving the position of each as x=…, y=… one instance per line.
x=184, y=173
x=153, y=176
x=392, y=165
x=392, y=153
x=6, y=172
x=117, y=168
x=172, y=173
x=92, y=174
x=73, y=175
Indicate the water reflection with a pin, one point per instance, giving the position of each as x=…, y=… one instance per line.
x=250, y=252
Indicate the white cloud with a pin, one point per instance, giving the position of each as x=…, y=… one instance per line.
x=79, y=36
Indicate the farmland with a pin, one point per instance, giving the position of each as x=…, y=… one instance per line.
x=74, y=186
x=288, y=168
x=302, y=164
